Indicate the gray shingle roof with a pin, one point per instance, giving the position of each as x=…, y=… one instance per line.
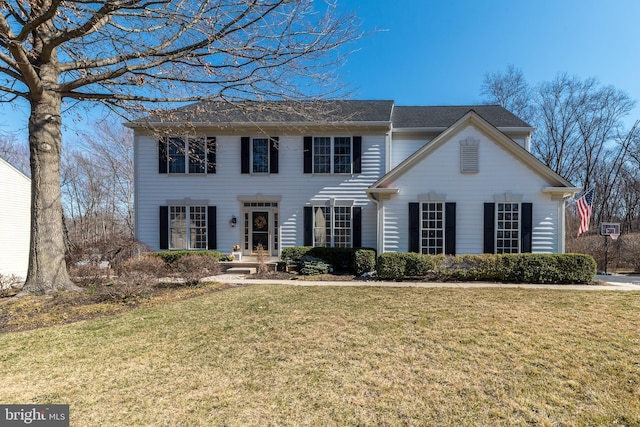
x=218, y=112
x=413, y=117
x=339, y=111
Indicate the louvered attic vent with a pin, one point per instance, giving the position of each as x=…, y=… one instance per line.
x=469, y=155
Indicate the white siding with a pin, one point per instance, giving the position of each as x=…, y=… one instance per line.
x=15, y=218
x=294, y=188
x=403, y=146
x=499, y=172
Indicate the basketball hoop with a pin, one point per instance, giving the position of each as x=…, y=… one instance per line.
x=614, y=236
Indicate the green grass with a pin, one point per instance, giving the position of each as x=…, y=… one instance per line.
x=285, y=355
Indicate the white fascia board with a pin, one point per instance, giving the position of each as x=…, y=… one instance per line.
x=564, y=192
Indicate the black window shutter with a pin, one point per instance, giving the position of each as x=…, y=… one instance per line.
x=308, y=154
x=357, y=227
x=212, y=232
x=526, y=227
x=308, y=226
x=164, y=227
x=414, y=227
x=244, y=154
x=211, y=154
x=449, y=228
x=162, y=155
x=273, y=154
x=489, y=228
x=357, y=154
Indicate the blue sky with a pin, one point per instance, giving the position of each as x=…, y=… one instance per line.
x=430, y=52
x=436, y=52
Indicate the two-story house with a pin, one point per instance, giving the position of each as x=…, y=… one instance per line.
x=454, y=180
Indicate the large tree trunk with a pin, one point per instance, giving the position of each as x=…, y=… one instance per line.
x=47, y=271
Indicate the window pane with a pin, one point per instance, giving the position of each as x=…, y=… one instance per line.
x=342, y=227
x=432, y=234
x=178, y=227
x=176, y=155
x=507, y=228
x=322, y=155
x=321, y=227
x=197, y=155
x=260, y=155
x=342, y=155
x=198, y=227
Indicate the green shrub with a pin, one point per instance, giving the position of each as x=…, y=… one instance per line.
x=417, y=265
x=515, y=268
x=172, y=256
x=391, y=266
x=364, y=260
x=293, y=254
x=356, y=260
x=310, y=265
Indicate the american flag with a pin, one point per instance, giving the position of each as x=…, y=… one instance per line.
x=583, y=204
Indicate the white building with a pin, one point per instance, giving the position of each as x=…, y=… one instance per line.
x=457, y=180
x=15, y=220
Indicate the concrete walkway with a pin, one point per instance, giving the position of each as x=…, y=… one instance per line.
x=234, y=279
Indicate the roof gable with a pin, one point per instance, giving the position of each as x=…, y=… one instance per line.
x=495, y=135
x=444, y=117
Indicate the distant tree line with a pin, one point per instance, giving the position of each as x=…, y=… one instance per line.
x=580, y=134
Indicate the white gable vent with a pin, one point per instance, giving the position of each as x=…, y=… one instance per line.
x=469, y=155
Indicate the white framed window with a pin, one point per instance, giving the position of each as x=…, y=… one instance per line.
x=432, y=228
x=187, y=227
x=260, y=155
x=508, y=228
x=333, y=226
x=187, y=155
x=332, y=154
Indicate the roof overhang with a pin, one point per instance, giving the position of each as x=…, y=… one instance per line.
x=259, y=125
x=381, y=193
x=561, y=192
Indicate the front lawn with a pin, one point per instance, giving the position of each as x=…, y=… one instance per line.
x=286, y=355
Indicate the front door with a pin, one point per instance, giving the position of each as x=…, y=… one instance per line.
x=260, y=235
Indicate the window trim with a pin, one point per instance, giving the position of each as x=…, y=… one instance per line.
x=330, y=230
x=187, y=158
x=497, y=221
x=189, y=214
x=332, y=155
x=442, y=228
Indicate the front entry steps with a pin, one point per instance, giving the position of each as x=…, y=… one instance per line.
x=241, y=270
x=248, y=265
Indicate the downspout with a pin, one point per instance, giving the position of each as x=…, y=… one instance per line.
x=379, y=222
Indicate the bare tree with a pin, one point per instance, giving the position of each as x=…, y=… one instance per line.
x=511, y=90
x=15, y=153
x=129, y=53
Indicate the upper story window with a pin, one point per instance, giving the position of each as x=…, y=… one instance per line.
x=332, y=154
x=259, y=155
x=187, y=155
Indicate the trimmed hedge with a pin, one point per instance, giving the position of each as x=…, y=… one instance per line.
x=357, y=260
x=171, y=256
x=514, y=268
